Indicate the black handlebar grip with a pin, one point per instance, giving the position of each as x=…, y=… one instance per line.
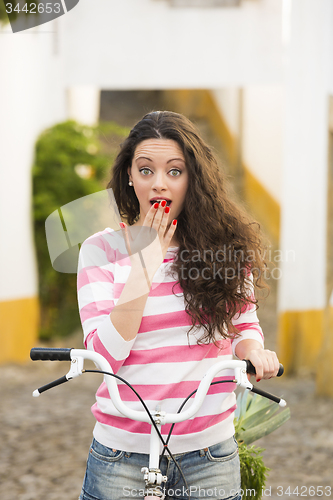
x=252, y=371
x=266, y=395
x=46, y=387
x=50, y=354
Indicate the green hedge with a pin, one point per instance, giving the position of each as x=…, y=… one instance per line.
x=57, y=180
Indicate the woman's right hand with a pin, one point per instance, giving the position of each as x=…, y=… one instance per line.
x=147, y=245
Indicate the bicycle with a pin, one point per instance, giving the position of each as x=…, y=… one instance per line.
x=152, y=475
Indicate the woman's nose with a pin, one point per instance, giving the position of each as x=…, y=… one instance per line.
x=159, y=182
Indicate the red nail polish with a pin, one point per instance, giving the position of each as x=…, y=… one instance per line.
x=167, y=210
x=163, y=203
x=174, y=222
x=122, y=225
x=258, y=379
x=156, y=205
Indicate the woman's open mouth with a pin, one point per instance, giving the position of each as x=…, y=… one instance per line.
x=152, y=202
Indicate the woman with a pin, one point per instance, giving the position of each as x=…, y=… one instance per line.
x=163, y=315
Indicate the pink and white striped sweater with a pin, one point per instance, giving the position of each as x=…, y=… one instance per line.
x=162, y=363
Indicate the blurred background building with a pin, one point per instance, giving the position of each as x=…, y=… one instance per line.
x=258, y=74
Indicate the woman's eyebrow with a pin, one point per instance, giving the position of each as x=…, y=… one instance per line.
x=142, y=158
x=149, y=159
x=174, y=159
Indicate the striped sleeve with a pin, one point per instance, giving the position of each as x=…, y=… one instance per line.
x=247, y=322
x=95, y=289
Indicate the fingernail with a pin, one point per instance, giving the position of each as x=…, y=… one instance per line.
x=167, y=210
x=163, y=203
x=174, y=222
x=156, y=205
x=258, y=379
x=122, y=225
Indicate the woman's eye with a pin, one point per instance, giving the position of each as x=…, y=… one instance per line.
x=145, y=170
x=174, y=172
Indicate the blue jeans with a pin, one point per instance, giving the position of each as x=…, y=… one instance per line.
x=212, y=473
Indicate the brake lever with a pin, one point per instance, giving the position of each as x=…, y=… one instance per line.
x=243, y=381
x=76, y=369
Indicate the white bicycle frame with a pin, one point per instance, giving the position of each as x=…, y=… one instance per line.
x=152, y=475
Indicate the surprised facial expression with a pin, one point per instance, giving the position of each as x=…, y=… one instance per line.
x=159, y=172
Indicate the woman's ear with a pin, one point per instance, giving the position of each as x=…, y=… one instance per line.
x=129, y=172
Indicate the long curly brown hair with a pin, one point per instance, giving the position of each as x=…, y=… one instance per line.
x=218, y=239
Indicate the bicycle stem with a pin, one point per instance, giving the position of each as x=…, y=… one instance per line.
x=152, y=476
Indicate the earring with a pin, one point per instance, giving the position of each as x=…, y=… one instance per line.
x=130, y=183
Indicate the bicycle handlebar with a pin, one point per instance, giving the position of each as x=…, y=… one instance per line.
x=252, y=371
x=78, y=355
x=50, y=354
x=64, y=354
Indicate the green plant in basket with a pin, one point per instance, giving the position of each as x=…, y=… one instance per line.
x=255, y=417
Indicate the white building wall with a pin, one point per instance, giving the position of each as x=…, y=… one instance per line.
x=304, y=196
x=262, y=143
x=147, y=44
x=83, y=104
x=31, y=98
x=227, y=100
x=262, y=115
